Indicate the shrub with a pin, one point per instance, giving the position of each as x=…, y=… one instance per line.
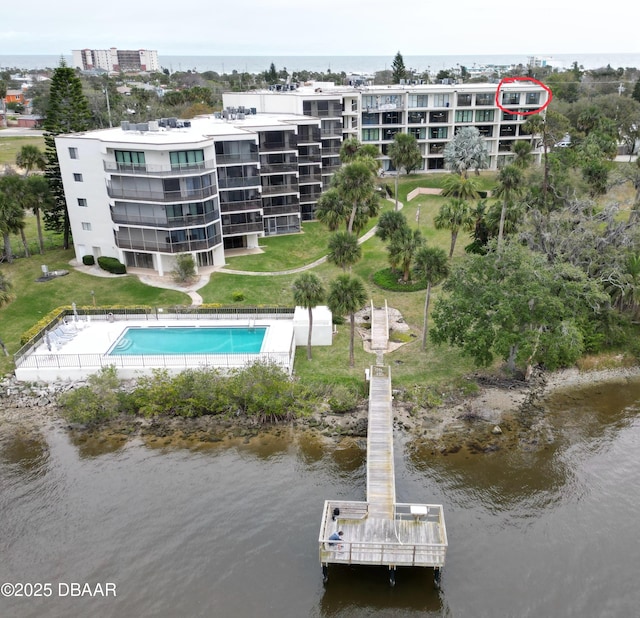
x=88, y=260
x=237, y=296
x=112, y=265
x=100, y=400
x=388, y=279
x=343, y=399
x=185, y=270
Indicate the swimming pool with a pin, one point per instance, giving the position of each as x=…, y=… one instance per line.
x=189, y=340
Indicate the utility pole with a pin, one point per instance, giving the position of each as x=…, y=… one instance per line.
x=106, y=92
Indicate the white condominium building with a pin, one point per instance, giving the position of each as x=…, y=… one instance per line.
x=432, y=113
x=145, y=192
x=115, y=60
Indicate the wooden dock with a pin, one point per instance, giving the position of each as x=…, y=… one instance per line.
x=381, y=531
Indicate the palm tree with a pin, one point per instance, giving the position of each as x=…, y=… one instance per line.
x=404, y=152
x=308, y=292
x=465, y=151
x=347, y=295
x=458, y=185
x=5, y=290
x=402, y=248
x=522, y=151
x=356, y=186
x=389, y=223
x=509, y=185
x=11, y=211
x=29, y=158
x=431, y=264
x=344, y=250
x=39, y=198
x=454, y=215
x=331, y=209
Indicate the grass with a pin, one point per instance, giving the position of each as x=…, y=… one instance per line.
x=10, y=146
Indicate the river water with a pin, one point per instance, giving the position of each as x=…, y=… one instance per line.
x=231, y=530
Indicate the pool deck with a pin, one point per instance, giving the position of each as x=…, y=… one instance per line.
x=83, y=348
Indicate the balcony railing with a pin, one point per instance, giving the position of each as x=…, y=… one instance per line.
x=168, y=247
x=290, y=144
x=241, y=206
x=234, y=159
x=332, y=132
x=287, y=209
x=311, y=196
x=186, y=221
x=130, y=193
x=242, y=228
x=149, y=169
x=244, y=181
x=278, y=189
x=330, y=169
x=330, y=151
x=278, y=168
x=306, y=159
x=309, y=179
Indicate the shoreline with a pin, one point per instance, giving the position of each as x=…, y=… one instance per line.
x=498, y=416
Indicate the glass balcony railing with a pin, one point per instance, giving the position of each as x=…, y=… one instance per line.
x=173, y=222
x=131, y=193
x=148, y=169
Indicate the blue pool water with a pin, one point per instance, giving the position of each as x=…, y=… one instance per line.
x=189, y=340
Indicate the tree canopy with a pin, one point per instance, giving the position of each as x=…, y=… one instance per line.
x=398, y=68
x=467, y=150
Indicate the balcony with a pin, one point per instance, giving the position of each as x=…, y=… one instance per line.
x=241, y=206
x=239, y=182
x=312, y=158
x=330, y=169
x=167, y=247
x=235, y=159
x=279, y=189
x=278, y=168
x=289, y=144
x=311, y=196
x=187, y=221
x=332, y=132
x=309, y=179
x=288, y=209
x=133, y=169
x=190, y=195
x=242, y=228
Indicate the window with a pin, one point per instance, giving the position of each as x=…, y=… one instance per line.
x=417, y=117
x=368, y=118
x=533, y=98
x=418, y=100
x=392, y=118
x=125, y=157
x=370, y=135
x=77, y=177
x=484, y=99
x=186, y=158
x=418, y=133
x=511, y=98
x=73, y=153
x=441, y=100
x=82, y=202
x=464, y=100
x=464, y=115
x=506, y=116
x=486, y=130
x=484, y=115
x=86, y=226
x=438, y=117
x=438, y=133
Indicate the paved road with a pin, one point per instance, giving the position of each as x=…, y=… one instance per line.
x=20, y=132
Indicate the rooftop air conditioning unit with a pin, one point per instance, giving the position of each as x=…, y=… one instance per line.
x=172, y=123
x=125, y=125
x=187, y=124
x=142, y=126
x=241, y=116
x=153, y=125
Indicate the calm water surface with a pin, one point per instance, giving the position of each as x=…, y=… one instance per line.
x=231, y=530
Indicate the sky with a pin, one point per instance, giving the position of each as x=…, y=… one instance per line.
x=321, y=27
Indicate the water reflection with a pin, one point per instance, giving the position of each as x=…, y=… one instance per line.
x=25, y=451
x=364, y=591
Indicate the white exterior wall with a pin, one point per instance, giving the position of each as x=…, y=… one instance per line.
x=149, y=59
x=264, y=102
x=93, y=188
x=322, y=326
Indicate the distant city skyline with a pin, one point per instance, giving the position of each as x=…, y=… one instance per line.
x=288, y=27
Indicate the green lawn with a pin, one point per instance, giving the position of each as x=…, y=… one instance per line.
x=410, y=365
x=10, y=146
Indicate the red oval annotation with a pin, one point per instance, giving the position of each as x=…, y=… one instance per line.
x=511, y=80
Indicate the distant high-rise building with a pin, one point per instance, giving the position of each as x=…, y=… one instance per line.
x=116, y=60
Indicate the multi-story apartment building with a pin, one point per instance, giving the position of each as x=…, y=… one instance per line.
x=432, y=113
x=115, y=60
x=146, y=192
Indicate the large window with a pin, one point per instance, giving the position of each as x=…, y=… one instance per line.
x=392, y=118
x=418, y=100
x=484, y=99
x=435, y=117
x=128, y=157
x=417, y=117
x=438, y=133
x=418, y=132
x=511, y=98
x=464, y=100
x=369, y=118
x=185, y=158
x=533, y=98
x=441, y=100
x=464, y=115
x=370, y=135
x=484, y=115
